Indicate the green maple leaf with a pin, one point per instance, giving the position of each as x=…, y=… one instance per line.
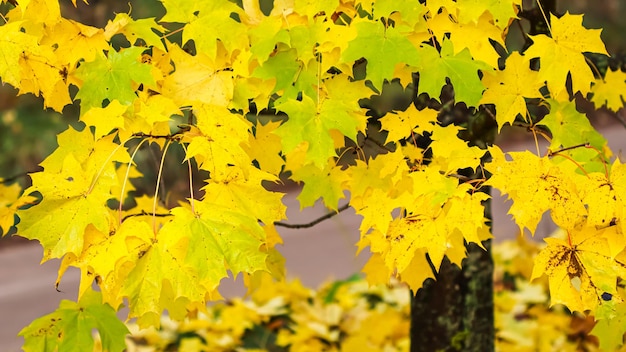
x=383, y=48
x=569, y=127
x=310, y=123
x=112, y=78
x=283, y=67
x=461, y=69
x=611, y=325
x=327, y=183
x=69, y=328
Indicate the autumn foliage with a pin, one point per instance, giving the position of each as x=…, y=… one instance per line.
x=197, y=78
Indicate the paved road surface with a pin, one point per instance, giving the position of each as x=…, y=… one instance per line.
x=314, y=255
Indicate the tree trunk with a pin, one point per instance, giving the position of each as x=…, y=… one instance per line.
x=455, y=311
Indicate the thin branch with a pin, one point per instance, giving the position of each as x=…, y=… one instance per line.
x=145, y=213
x=314, y=222
x=18, y=176
x=170, y=137
x=581, y=145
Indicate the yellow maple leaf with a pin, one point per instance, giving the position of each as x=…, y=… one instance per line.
x=450, y=152
x=197, y=79
x=217, y=142
x=422, y=228
x=474, y=35
x=507, y=89
x=155, y=108
x=563, y=53
x=465, y=213
x=105, y=119
x=536, y=184
x=265, y=147
x=42, y=72
x=375, y=270
x=403, y=124
x=503, y=11
x=605, y=197
x=579, y=269
x=417, y=271
x=244, y=192
x=14, y=42
x=610, y=91
x=70, y=204
x=74, y=41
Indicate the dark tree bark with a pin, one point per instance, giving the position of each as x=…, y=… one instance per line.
x=455, y=311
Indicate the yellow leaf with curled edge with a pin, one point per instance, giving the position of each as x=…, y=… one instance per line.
x=404, y=124
x=610, y=91
x=536, y=185
x=105, y=119
x=562, y=54
x=580, y=269
x=507, y=89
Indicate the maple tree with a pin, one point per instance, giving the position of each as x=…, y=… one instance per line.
x=315, y=66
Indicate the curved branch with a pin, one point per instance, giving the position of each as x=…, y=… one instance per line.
x=314, y=222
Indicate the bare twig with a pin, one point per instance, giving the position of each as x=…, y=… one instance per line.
x=314, y=222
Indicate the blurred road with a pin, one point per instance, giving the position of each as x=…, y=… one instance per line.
x=313, y=255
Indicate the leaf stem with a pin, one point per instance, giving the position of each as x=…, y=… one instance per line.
x=545, y=17
x=104, y=164
x=130, y=162
x=156, y=191
x=192, y=199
